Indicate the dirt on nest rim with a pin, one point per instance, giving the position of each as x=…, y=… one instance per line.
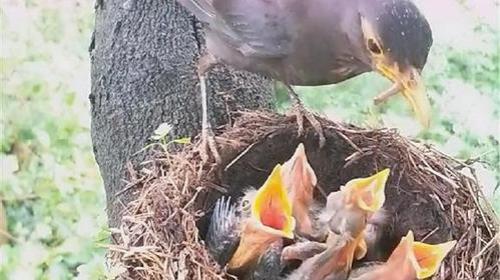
x=161, y=231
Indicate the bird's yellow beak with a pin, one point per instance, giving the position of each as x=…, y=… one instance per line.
x=367, y=193
x=427, y=258
x=409, y=83
x=272, y=206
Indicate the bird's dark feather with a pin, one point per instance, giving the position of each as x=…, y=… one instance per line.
x=223, y=233
x=269, y=266
x=315, y=42
x=262, y=34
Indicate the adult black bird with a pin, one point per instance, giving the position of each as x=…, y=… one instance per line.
x=317, y=42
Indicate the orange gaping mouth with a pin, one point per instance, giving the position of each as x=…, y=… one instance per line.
x=428, y=257
x=272, y=206
x=367, y=193
x=272, y=215
x=424, y=258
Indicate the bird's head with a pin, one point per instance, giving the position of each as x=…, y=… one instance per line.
x=418, y=259
x=268, y=219
x=349, y=209
x=397, y=39
x=367, y=194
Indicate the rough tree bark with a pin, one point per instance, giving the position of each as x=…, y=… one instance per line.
x=143, y=55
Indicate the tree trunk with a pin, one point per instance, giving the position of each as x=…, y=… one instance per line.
x=143, y=55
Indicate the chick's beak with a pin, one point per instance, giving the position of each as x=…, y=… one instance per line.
x=298, y=171
x=368, y=193
x=299, y=179
x=428, y=258
x=409, y=82
x=272, y=206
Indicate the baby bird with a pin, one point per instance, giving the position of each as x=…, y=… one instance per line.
x=409, y=261
x=300, y=181
x=345, y=215
x=240, y=237
x=379, y=236
x=350, y=208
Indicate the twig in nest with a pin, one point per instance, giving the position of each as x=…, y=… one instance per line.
x=236, y=159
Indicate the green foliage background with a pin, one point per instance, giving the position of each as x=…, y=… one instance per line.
x=50, y=186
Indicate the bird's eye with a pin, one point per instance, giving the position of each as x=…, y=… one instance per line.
x=374, y=47
x=245, y=205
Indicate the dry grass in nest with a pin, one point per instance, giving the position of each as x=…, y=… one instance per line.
x=159, y=236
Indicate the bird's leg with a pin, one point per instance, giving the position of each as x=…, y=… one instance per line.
x=208, y=144
x=301, y=112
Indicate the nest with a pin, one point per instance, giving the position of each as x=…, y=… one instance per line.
x=436, y=196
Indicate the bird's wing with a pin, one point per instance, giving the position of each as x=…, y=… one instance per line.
x=269, y=266
x=223, y=234
x=259, y=28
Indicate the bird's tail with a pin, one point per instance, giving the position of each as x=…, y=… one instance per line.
x=202, y=9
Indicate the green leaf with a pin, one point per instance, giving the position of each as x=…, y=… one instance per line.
x=162, y=131
x=185, y=140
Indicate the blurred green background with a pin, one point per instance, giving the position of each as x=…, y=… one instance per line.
x=50, y=187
